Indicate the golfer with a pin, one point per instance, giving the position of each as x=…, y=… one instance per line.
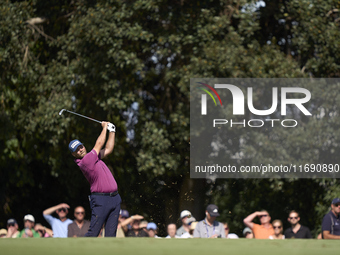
x=104, y=199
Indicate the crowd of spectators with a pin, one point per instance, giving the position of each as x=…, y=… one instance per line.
x=209, y=227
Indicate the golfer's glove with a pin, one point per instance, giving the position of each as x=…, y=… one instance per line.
x=111, y=127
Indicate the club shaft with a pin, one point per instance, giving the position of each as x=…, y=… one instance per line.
x=83, y=116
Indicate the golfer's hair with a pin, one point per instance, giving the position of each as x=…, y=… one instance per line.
x=293, y=211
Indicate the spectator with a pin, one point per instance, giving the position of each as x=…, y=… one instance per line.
x=262, y=231
x=3, y=233
x=12, y=228
x=331, y=221
x=171, y=229
x=59, y=226
x=191, y=231
x=80, y=226
x=143, y=224
x=185, y=228
x=135, y=231
x=122, y=230
x=43, y=231
x=28, y=231
x=296, y=230
x=209, y=227
x=278, y=230
x=227, y=234
x=248, y=233
x=152, y=230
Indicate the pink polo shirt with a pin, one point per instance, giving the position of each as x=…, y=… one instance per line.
x=97, y=173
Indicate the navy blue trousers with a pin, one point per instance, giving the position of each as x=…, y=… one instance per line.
x=105, y=210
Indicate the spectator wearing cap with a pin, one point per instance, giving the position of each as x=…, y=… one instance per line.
x=135, y=231
x=227, y=234
x=331, y=221
x=152, y=230
x=59, y=226
x=80, y=226
x=263, y=230
x=3, y=233
x=122, y=229
x=248, y=233
x=171, y=229
x=192, y=225
x=143, y=224
x=296, y=230
x=185, y=228
x=209, y=227
x=12, y=229
x=28, y=231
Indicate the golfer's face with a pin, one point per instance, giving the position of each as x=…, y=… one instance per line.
x=80, y=152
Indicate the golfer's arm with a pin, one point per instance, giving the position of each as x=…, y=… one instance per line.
x=248, y=221
x=109, y=145
x=51, y=210
x=328, y=235
x=100, y=141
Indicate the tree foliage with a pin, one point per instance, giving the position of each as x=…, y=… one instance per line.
x=130, y=62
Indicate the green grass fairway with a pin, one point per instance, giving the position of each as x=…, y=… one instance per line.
x=123, y=246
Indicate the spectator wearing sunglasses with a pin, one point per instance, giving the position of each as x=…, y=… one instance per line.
x=12, y=229
x=296, y=230
x=263, y=230
x=278, y=230
x=331, y=221
x=59, y=226
x=80, y=226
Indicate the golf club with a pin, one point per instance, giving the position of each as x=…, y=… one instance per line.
x=64, y=110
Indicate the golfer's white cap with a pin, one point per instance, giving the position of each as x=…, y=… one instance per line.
x=185, y=213
x=29, y=217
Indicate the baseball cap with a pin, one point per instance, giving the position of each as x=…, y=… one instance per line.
x=73, y=145
x=246, y=230
x=151, y=225
x=3, y=231
x=29, y=217
x=124, y=213
x=213, y=210
x=190, y=220
x=11, y=221
x=143, y=224
x=335, y=201
x=185, y=213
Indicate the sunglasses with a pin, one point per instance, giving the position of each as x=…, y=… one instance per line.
x=293, y=218
x=11, y=225
x=61, y=210
x=336, y=205
x=275, y=227
x=263, y=216
x=226, y=228
x=79, y=212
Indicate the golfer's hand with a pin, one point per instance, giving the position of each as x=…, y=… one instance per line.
x=104, y=124
x=111, y=127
